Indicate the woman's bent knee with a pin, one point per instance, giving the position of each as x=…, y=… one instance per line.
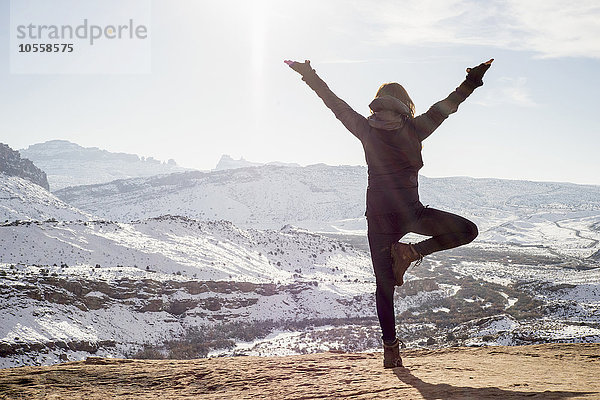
x=472, y=232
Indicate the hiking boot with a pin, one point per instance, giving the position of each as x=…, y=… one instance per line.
x=391, y=354
x=402, y=255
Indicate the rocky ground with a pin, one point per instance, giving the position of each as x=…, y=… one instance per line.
x=548, y=371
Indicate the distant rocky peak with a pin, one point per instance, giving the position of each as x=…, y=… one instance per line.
x=69, y=164
x=227, y=162
x=12, y=164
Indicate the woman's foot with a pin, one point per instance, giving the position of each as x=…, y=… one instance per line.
x=391, y=354
x=402, y=255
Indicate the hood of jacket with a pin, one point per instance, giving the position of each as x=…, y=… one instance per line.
x=389, y=113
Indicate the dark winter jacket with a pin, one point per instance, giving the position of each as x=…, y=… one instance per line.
x=392, y=140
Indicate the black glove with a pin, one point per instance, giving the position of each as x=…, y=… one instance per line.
x=475, y=74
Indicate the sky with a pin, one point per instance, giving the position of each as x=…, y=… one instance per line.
x=216, y=84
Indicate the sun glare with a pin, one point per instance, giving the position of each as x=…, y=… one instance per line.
x=259, y=30
x=258, y=49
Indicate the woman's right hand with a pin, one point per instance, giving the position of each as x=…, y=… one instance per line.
x=301, y=68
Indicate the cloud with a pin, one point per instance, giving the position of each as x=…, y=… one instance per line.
x=560, y=29
x=509, y=91
x=550, y=28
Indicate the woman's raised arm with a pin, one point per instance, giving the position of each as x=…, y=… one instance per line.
x=353, y=121
x=426, y=123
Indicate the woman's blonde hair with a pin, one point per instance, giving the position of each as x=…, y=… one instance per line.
x=396, y=90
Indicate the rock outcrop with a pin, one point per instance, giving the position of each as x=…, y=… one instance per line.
x=12, y=164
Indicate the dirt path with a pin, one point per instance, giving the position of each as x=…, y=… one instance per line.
x=554, y=371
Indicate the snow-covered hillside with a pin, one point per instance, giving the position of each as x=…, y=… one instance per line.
x=559, y=217
x=466, y=296
x=206, y=250
x=317, y=197
x=76, y=288
x=51, y=314
x=68, y=164
x=262, y=197
x=23, y=200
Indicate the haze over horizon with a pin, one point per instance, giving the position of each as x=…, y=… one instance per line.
x=218, y=85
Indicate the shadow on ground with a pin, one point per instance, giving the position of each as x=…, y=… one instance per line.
x=434, y=391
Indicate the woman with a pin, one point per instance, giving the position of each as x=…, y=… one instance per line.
x=391, y=137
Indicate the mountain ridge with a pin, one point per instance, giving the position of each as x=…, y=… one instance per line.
x=316, y=197
x=69, y=164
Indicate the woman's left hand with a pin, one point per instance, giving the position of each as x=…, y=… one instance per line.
x=475, y=74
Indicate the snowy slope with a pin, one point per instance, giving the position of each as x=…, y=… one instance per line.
x=108, y=288
x=264, y=197
x=205, y=273
x=24, y=200
x=208, y=250
x=558, y=216
x=317, y=197
x=77, y=310
x=73, y=312
x=68, y=164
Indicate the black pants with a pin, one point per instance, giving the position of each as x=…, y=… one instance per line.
x=446, y=230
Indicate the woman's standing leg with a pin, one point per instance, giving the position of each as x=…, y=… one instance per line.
x=447, y=230
x=383, y=231
x=380, y=245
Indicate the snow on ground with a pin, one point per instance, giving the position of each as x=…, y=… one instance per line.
x=506, y=274
x=277, y=343
x=207, y=250
x=549, y=248
x=572, y=234
x=314, y=339
x=131, y=310
x=265, y=197
x=23, y=200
